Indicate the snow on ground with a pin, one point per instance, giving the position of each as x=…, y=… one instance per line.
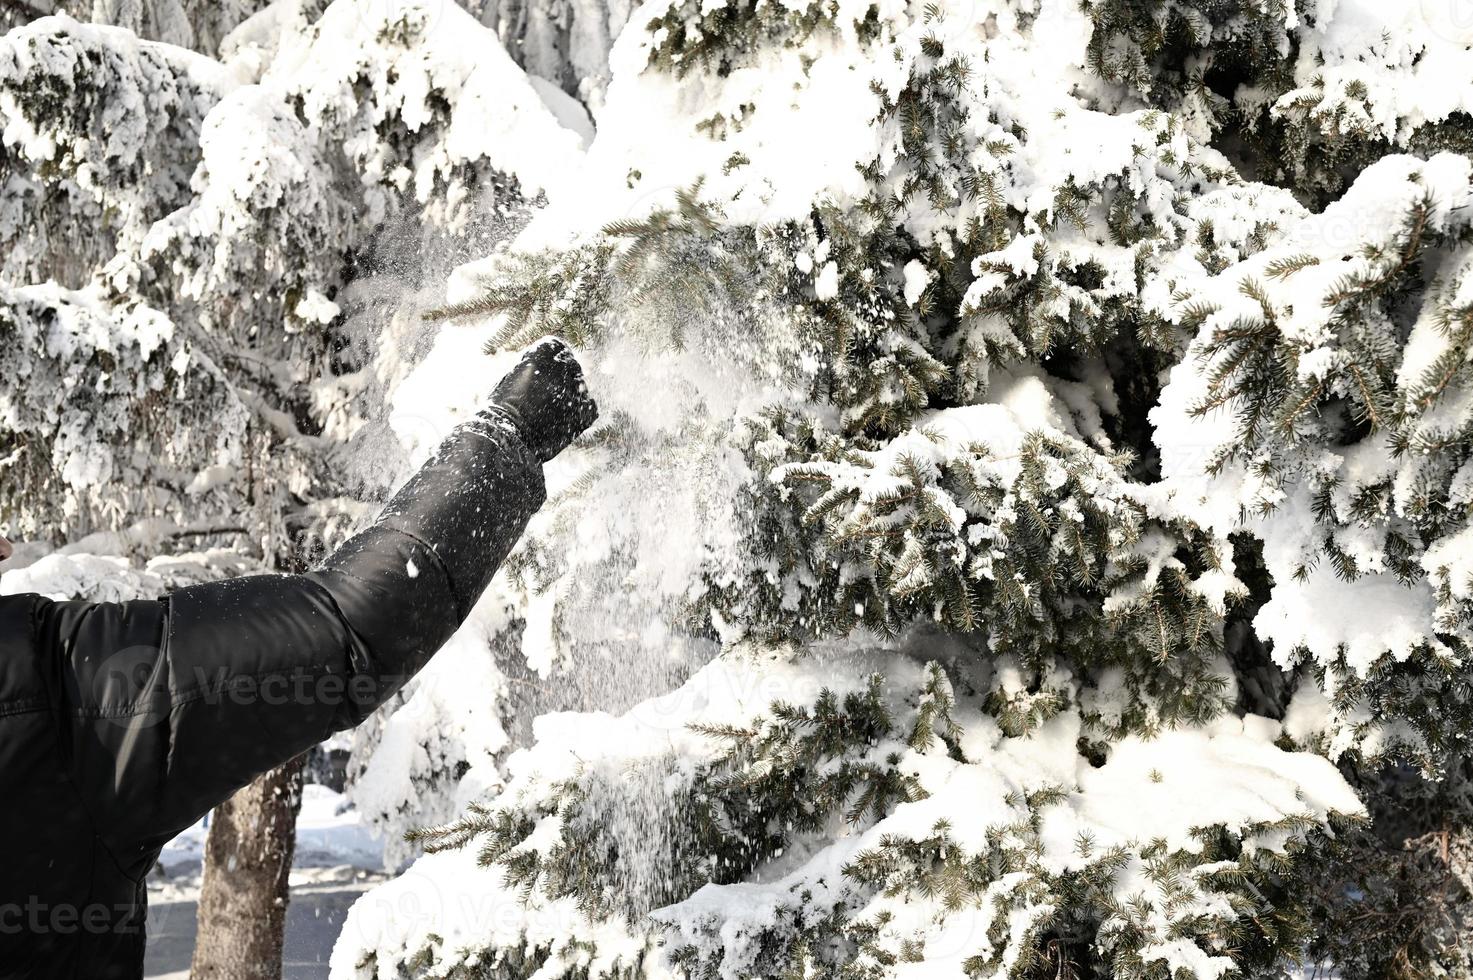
x=337, y=860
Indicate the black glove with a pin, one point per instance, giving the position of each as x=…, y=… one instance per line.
x=545, y=398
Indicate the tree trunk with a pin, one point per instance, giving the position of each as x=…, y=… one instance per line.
x=248, y=858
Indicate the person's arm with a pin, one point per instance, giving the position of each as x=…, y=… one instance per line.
x=174, y=705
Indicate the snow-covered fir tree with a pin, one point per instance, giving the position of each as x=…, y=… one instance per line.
x=1030, y=516
x=179, y=234
x=1028, y=534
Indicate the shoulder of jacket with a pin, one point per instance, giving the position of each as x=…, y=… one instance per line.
x=22, y=686
x=18, y=613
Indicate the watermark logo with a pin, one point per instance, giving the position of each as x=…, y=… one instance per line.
x=137, y=687
x=37, y=917
x=1451, y=20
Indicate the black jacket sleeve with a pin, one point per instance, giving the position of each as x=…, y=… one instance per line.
x=168, y=707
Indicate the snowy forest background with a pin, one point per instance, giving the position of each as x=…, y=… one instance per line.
x=1028, y=533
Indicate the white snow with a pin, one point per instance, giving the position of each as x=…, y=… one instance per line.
x=1387, y=67
x=917, y=278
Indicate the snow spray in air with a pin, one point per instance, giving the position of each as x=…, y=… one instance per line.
x=635, y=529
x=638, y=521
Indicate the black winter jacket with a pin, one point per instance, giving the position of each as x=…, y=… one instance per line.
x=123, y=724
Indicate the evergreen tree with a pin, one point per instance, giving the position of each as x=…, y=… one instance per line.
x=1074, y=398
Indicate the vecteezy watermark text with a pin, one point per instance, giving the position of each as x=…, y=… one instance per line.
x=37, y=917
